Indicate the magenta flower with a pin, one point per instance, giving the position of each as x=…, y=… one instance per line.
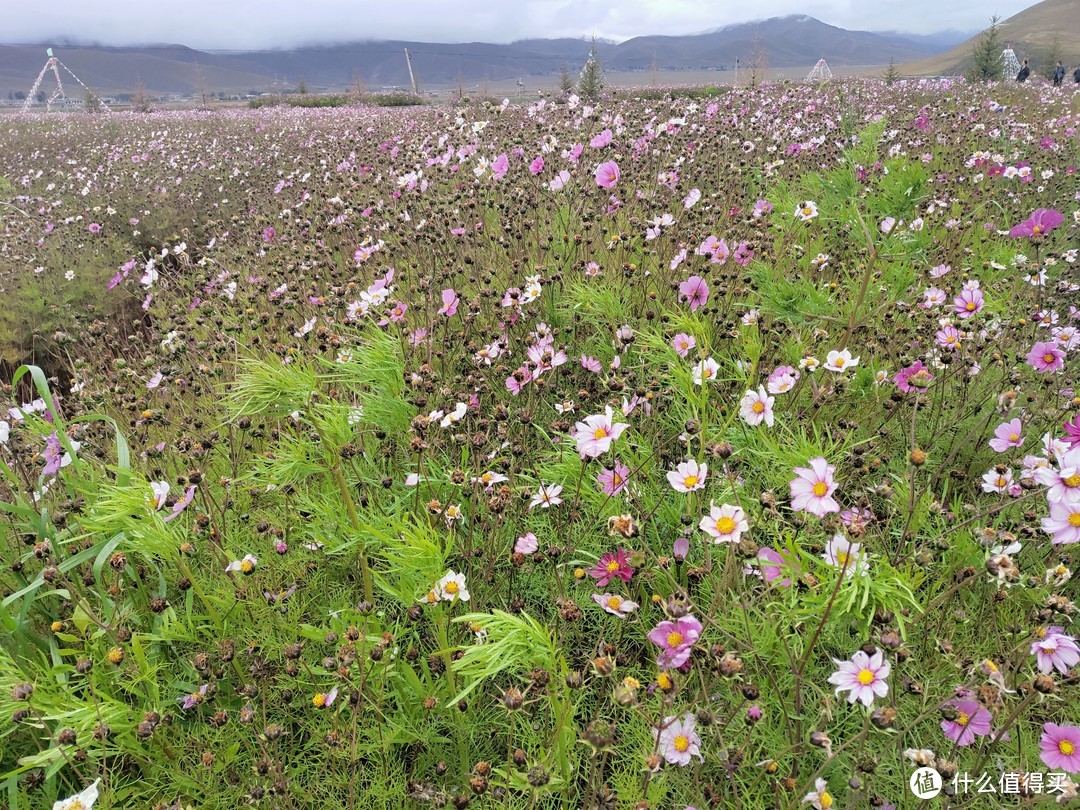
x=972, y=721
x=1072, y=431
x=1060, y=747
x=194, y=699
x=675, y=640
x=678, y=741
x=595, y=435
x=612, y=481
x=772, y=565
x=812, y=488
x=500, y=166
x=1046, y=357
x=614, y=564
x=1008, y=435
x=536, y=166
x=695, y=291
x=1055, y=650
x=969, y=302
x=450, y=302
x=607, y=174
x=915, y=377
x=93, y=227
x=1041, y=222
x=863, y=677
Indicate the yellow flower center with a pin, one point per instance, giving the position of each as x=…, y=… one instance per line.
x=839, y=362
x=706, y=373
x=865, y=677
x=970, y=306
x=1073, y=480
x=599, y=433
x=1013, y=437
x=725, y=525
x=821, y=489
x=807, y=212
x=663, y=680
x=77, y=805
x=825, y=799
x=486, y=477
x=432, y=597
x=842, y=557
x=452, y=587
x=962, y=719
x=246, y=566
x=758, y=407
x=675, y=639
x=318, y=701
x=614, y=602
x=616, y=479
x=690, y=481
x=1048, y=357
x=612, y=566
x=1001, y=481
x=1036, y=230
x=1074, y=519
x=1066, y=747
x=682, y=743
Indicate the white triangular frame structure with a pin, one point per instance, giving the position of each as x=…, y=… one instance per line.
x=58, y=94
x=1012, y=64
x=820, y=72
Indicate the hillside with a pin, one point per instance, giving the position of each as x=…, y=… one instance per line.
x=1033, y=33
x=791, y=41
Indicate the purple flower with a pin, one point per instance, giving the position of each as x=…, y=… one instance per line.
x=612, y=565
x=1060, y=747
x=1055, y=650
x=675, y=640
x=1008, y=435
x=1072, y=431
x=1041, y=222
x=915, y=377
x=608, y=174
x=695, y=291
x=968, y=302
x=972, y=721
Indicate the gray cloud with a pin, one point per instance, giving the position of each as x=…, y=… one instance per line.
x=246, y=24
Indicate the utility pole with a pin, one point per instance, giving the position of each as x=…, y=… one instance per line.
x=412, y=79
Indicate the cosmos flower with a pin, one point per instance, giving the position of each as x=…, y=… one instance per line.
x=612, y=480
x=812, y=488
x=1040, y=223
x=806, y=211
x=83, y=800
x=694, y=291
x=675, y=640
x=724, y=523
x=595, y=434
x=607, y=174
x=612, y=565
x=615, y=604
x=971, y=721
x=968, y=303
x=1060, y=747
x=1046, y=357
x=705, y=370
x=677, y=741
x=547, y=496
x=683, y=343
x=843, y=553
x=688, y=476
x=757, y=407
x=819, y=798
x=245, y=566
x=1055, y=649
x=864, y=677
x=452, y=587
x=1008, y=435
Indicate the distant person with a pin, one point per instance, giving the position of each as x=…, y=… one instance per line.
x=1059, y=74
x=1076, y=74
x=1025, y=71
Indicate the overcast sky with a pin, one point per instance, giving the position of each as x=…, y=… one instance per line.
x=245, y=24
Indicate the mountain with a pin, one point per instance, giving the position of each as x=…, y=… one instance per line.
x=792, y=41
x=1033, y=34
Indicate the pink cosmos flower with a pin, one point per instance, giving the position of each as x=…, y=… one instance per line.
x=607, y=174
x=688, y=476
x=863, y=677
x=601, y=140
x=972, y=721
x=705, y=370
x=1041, y=222
x=1072, y=431
x=450, y=302
x=595, y=434
x=500, y=166
x=812, y=488
x=1008, y=435
x=782, y=379
x=677, y=740
x=93, y=227
x=994, y=481
x=615, y=604
x=1055, y=650
x=756, y=407
x=537, y=165
x=1060, y=747
x=612, y=480
x=560, y=180
x=968, y=303
x=181, y=505
x=591, y=364
x=915, y=377
x=1046, y=357
x=682, y=343
x=613, y=564
x=724, y=523
x=526, y=544
x=695, y=291
x=675, y=640
x=772, y=565
x=948, y=337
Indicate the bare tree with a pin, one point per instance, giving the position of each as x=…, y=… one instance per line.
x=202, y=90
x=759, y=61
x=140, y=99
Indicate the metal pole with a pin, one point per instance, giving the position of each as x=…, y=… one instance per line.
x=412, y=79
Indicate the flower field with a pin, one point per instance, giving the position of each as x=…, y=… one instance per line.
x=715, y=451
